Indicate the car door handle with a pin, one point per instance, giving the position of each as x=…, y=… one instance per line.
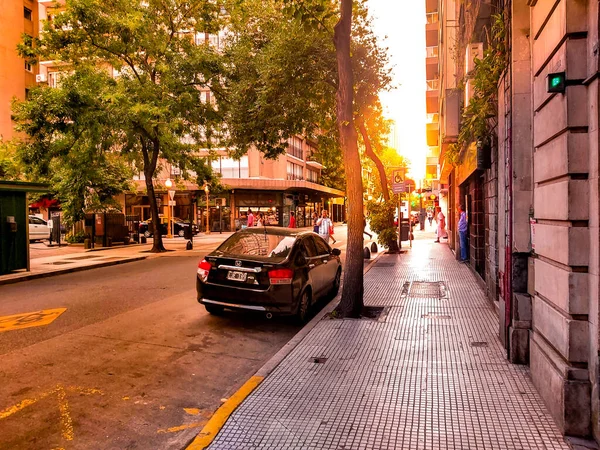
x=310, y=266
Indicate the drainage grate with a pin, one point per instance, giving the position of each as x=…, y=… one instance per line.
x=318, y=359
x=479, y=344
x=425, y=289
x=436, y=316
x=59, y=263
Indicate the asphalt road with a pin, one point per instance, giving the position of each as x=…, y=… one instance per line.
x=133, y=363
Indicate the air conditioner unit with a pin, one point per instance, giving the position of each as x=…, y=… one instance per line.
x=41, y=78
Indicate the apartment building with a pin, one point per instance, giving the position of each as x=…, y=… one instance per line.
x=536, y=189
x=291, y=183
x=432, y=61
x=16, y=75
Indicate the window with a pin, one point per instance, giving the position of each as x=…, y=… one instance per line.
x=231, y=168
x=294, y=171
x=27, y=13
x=295, y=147
x=308, y=248
x=274, y=247
x=312, y=176
x=322, y=248
x=28, y=67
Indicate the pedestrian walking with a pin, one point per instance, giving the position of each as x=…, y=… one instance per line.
x=250, y=222
x=315, y=218
x=292, y=220
x=462, y=232
x=441, y=225
x=324, y=225
x=365, y=226
x=430, y=217
x=331, y=230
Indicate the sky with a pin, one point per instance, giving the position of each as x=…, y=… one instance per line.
x=403, y=23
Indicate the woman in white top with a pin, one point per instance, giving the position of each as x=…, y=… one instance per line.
x=441, y=225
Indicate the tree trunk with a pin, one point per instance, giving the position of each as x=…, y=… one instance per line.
x=393, y=246
x=352, y=294
x=149, y=169
x=373, y=156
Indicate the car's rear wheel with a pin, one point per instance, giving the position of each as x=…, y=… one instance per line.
x=303, y=306
x=336, y=284
x=214, y=310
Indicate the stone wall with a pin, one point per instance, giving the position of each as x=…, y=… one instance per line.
x=560, y=343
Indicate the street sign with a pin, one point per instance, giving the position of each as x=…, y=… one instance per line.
x=398, y=185
x=171, y=195
x=172, y=203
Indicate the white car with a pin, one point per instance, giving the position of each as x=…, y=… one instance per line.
x=38, y=229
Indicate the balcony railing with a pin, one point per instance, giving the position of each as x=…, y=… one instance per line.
x=432, y=52
x=432, y=17
x=433, y=85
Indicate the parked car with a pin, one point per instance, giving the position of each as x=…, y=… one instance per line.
x=38, y=229
x=179, y=227
x=270, y=269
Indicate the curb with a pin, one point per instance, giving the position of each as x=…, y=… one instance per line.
x=53, y=273
x=221, y=415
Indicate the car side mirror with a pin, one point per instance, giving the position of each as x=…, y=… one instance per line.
x=336, y=252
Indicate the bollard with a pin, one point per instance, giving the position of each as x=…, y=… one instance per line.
x=87, y=244
x=367, y=253
x=143, y=239
x=373, y=247
x=189, y=245
x=109, y=242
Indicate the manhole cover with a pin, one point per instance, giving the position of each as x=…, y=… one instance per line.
x=59, y=263
x=479, y=344
x=436, y=316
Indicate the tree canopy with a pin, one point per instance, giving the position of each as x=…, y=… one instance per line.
x=133, y=88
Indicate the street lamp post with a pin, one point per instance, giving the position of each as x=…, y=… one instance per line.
x=207, y=190
x=169, y=185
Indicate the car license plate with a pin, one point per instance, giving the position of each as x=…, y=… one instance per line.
x=236, y=276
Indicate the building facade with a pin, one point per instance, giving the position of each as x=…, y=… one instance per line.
x=532, y=192
x=16, y=75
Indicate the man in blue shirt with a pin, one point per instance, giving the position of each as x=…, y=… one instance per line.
x=462, y=232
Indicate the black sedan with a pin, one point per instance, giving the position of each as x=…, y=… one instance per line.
x=179, y=228
x=273, y=270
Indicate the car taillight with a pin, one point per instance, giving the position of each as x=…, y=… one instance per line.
x=203, y=269
x=281, y=276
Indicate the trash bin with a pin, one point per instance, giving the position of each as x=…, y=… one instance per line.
x=404, y=230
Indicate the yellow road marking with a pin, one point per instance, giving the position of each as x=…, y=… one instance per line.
x=183, y=427
x=66, y=421
x=31, y=319
x=216, y=422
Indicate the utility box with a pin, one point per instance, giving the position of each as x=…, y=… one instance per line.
x=14, y=224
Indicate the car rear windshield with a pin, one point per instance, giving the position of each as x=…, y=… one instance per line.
x=268, y=246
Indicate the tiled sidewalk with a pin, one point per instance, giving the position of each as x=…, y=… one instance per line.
x=430, y=374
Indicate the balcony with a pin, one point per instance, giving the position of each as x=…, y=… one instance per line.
x=433, y=85
x=432, y=18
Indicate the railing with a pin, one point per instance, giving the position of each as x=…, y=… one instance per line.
x=432, y=17
x=432, y=52
x=433, y=85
